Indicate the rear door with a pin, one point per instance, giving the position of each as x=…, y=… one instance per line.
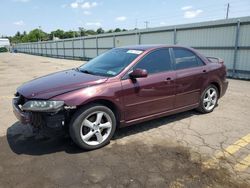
x=153, y=94
x=191, y=73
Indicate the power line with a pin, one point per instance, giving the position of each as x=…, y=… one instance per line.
x=211, y=8
x=214, y=14
x=175, y=16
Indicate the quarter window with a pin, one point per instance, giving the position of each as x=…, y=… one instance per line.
x=186, y=59
x=155, y=62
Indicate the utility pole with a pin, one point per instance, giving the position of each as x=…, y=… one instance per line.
x=136, y=32
x=146, y=23
x=74, y=33
x=228, y=5
x=40, y=37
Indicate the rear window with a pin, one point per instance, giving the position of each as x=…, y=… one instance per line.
x=186, y=59
x=156, y=61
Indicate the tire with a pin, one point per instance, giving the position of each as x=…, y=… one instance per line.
x=92, y=126
x=208, y=102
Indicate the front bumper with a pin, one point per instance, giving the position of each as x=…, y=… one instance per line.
x=38, y=119
x=23, y=117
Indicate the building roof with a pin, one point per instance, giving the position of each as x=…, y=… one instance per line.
x=151, y=46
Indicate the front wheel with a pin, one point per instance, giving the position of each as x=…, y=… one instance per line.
x=92, y=126
x=209, y=99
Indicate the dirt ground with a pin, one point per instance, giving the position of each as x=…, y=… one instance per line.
x=183, y=150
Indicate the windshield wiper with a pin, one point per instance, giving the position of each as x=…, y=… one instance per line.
x=85, y=71
x=90, y=72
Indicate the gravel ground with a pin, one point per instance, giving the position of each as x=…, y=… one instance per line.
x=183, y=150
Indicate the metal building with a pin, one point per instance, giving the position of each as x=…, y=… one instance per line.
x=227, y=39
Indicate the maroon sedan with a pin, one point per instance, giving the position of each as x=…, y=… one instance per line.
x=121, y=87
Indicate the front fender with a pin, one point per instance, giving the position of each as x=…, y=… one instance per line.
x=107, y=91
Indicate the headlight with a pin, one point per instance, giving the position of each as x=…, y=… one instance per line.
x=43, y=106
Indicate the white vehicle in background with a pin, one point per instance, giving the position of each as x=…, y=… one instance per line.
x=4, y=44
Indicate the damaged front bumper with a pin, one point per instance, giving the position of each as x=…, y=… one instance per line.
x=23, y=117
x=39, y=119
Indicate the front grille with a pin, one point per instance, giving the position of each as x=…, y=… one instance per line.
x=37, y=120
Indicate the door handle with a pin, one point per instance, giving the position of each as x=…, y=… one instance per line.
x=167, y=79
x=204, y=71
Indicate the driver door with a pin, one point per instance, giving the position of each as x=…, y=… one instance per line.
x=153, y=94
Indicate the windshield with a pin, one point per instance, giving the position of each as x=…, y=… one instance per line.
x=110, y=63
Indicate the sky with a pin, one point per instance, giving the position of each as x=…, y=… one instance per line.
x=25, y=15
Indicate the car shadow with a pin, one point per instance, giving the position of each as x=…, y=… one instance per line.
x=21, y=139
x=145, y=126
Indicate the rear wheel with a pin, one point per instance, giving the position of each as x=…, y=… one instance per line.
x=93, y=126
x=209, y=99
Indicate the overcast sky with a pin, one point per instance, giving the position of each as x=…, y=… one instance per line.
x=25, y=15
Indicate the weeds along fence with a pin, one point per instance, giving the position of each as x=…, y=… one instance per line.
x=227, y=39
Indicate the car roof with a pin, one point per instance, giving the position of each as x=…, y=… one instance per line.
x=150, y=46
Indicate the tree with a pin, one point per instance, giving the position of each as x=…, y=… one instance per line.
x=58, y=33
x=18, y=34
x=25, y=37
x=117, y=30
x=110, y=31
x=37, y=35
x=100, y=31
x=82, y=31
x=70, y=34
x=16, y=38
x=90, y=32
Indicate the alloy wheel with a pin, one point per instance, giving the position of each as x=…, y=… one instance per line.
x=96, y=128
x=210, y=99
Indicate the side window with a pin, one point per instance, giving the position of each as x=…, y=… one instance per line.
x=186, y=59
x=156, y=61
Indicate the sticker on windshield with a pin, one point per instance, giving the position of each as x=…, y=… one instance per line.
x=111, y=72
x=134, y=52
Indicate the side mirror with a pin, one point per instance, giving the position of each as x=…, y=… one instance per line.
x=138, y=73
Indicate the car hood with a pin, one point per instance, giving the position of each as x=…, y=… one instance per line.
x=58, y=83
